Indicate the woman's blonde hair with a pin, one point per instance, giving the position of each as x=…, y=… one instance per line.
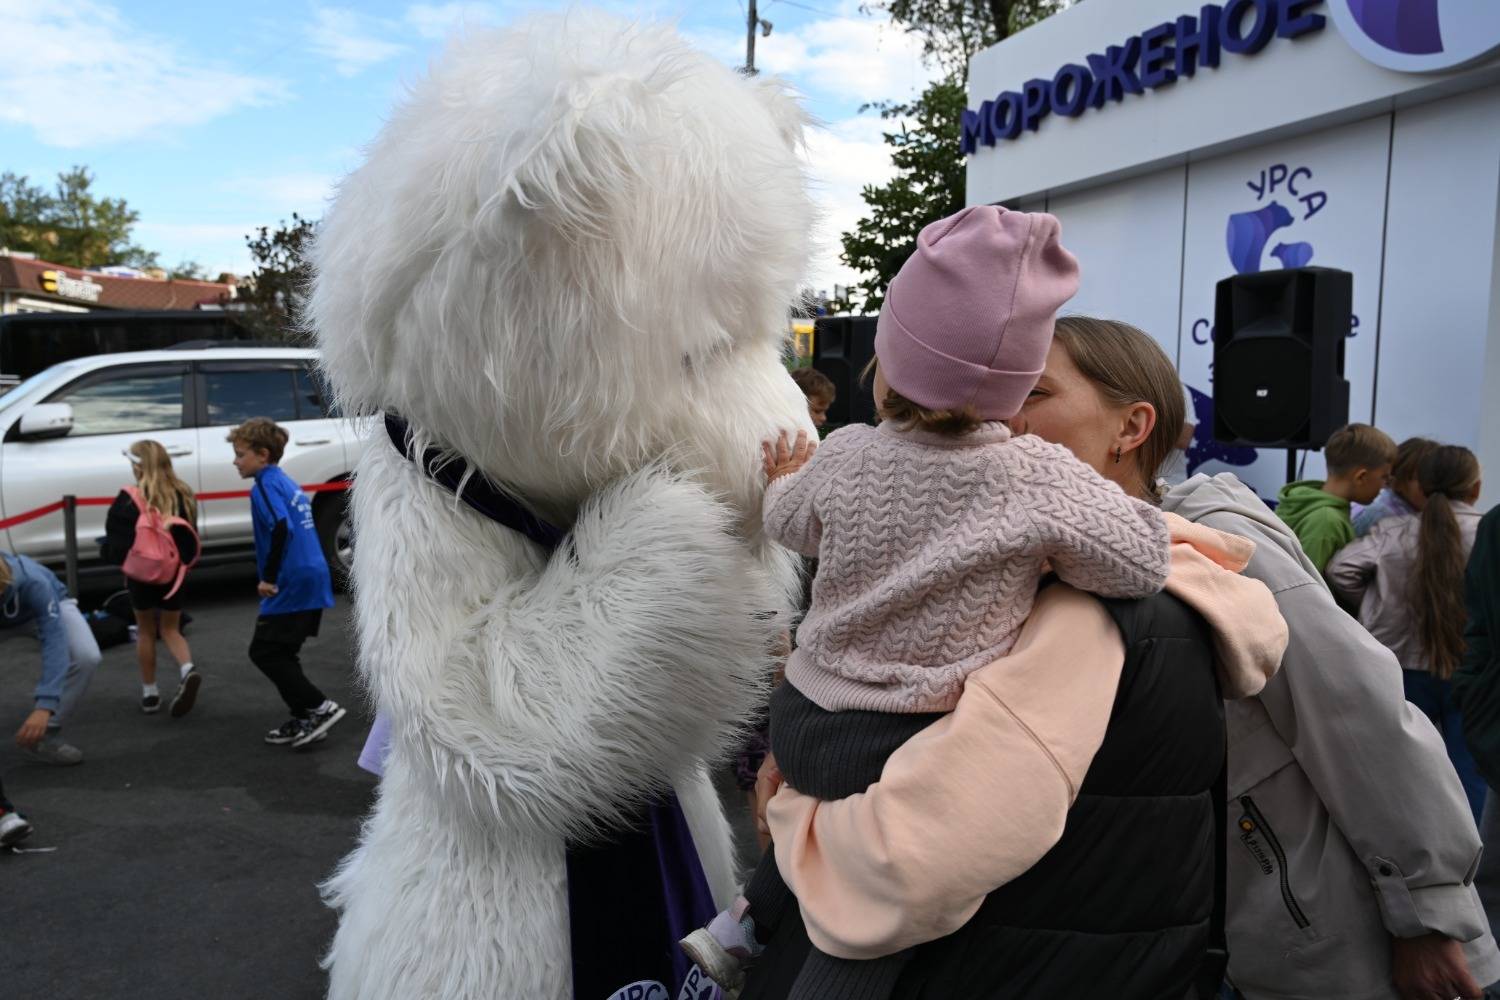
x=1127, y=367
x=159, y=483
x=4, y=574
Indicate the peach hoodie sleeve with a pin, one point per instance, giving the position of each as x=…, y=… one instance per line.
x=980, y=796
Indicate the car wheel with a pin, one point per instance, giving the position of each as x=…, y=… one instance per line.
x=335, y=524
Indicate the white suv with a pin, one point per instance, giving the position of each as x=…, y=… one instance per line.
x=62, y=432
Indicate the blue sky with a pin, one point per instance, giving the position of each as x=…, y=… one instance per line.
x=213, y=118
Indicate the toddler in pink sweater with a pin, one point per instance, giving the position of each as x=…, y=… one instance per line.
x=933, y=529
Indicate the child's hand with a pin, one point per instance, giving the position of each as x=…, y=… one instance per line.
x=783, y=459
x=265, y=589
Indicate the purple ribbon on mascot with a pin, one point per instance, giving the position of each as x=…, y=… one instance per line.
x=633, y=897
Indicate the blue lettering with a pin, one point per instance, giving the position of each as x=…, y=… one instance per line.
x=1198, y=41
x=1353, y=326
x=1260, y=191
x=1313, y=203
x=1202, y=325
x=1005, y=116
x=1263, y=27
x=1291, y=184
x=1114, y=72
x=635, y=992
x=1278, y=173
x=1159, y=56
x=1155, y=54
x=1066, y=103
x=1293, y=19
x=974, y=128
x=1036, y=102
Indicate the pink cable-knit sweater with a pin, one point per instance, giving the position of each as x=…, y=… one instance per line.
x=929, y=551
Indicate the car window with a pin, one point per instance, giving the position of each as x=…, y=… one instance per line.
x=312, y=396
x=125, y=404
x=236, y=396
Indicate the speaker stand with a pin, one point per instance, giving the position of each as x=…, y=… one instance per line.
x=1291, y=465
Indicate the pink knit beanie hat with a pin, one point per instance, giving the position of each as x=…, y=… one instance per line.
x=968, y=320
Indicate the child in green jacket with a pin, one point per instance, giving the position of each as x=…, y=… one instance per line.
x=1359, y=464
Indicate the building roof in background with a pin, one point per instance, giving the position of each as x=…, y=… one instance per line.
x=56, y=282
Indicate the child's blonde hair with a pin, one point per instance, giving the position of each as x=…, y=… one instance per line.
x=1358, y=446
x=161, y=487
x=262, y=434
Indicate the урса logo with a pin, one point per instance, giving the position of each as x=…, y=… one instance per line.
x=1419, y=36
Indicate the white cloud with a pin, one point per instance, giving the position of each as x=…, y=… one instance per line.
x=306, y=192
x=851, y=57
x=79, y=75
x=439, y=20
x=342, y=35
x=842, y=158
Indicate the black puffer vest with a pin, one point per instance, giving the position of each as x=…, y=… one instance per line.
x=1121, y=904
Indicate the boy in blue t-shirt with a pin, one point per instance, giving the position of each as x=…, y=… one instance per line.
x=294, y=586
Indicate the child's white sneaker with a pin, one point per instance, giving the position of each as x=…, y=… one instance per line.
x=725, y=947
x=13, y=828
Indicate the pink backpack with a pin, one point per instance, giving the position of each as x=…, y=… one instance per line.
x=154, y=557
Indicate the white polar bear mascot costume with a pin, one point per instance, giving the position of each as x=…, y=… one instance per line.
x=563, y=271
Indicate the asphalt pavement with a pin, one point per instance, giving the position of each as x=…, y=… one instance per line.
x=187, y=852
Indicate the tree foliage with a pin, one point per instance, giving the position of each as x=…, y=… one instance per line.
x=69, y=224
x=953, y=30
x=929, y=184
x=273, y=293
x=929, y=179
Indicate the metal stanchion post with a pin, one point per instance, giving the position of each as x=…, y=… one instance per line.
x=70, y=540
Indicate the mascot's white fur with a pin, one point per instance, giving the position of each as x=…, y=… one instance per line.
x=568, y=260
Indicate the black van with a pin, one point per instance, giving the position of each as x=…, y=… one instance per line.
x=31, y=342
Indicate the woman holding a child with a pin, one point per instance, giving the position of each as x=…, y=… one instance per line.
x=1054, y=834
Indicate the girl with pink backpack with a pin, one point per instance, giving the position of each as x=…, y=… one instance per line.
x=149, y=533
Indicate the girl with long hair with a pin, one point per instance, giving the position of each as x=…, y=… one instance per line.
x=1407, y=579
x=157, y=615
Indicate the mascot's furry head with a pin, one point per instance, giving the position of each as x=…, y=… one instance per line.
x=571, y=253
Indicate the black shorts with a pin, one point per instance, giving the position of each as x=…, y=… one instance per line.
x=152, y=596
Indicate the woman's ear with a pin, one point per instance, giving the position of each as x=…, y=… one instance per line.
x=1138, y=420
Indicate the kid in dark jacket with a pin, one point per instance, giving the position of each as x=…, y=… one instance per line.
x=158, y=611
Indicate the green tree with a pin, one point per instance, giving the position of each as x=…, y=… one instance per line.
x=953, y=30
x=929, y=179
x=189, y=269
x=273, y=293
x=929, y=184
x=71, y=224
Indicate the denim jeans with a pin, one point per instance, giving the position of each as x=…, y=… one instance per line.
x=1434, y=698
x=83, y=657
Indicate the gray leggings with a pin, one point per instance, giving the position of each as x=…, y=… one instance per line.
x=83, y=656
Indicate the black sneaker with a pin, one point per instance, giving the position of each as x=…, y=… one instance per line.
x=288, y=731
x=150, y=703
x=187, y=694
x=318, y=724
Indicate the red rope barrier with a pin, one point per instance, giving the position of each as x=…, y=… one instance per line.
x=52, y=508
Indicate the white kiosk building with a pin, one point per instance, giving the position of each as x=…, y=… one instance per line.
x=1181, y=142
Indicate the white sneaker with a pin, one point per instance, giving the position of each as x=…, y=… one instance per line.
x=52, y=750
x=13, y=829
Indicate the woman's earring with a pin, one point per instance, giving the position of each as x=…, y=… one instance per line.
x=1117, y=454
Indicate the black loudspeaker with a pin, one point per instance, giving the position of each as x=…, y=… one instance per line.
x=1279, y=357
x=842, y=347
